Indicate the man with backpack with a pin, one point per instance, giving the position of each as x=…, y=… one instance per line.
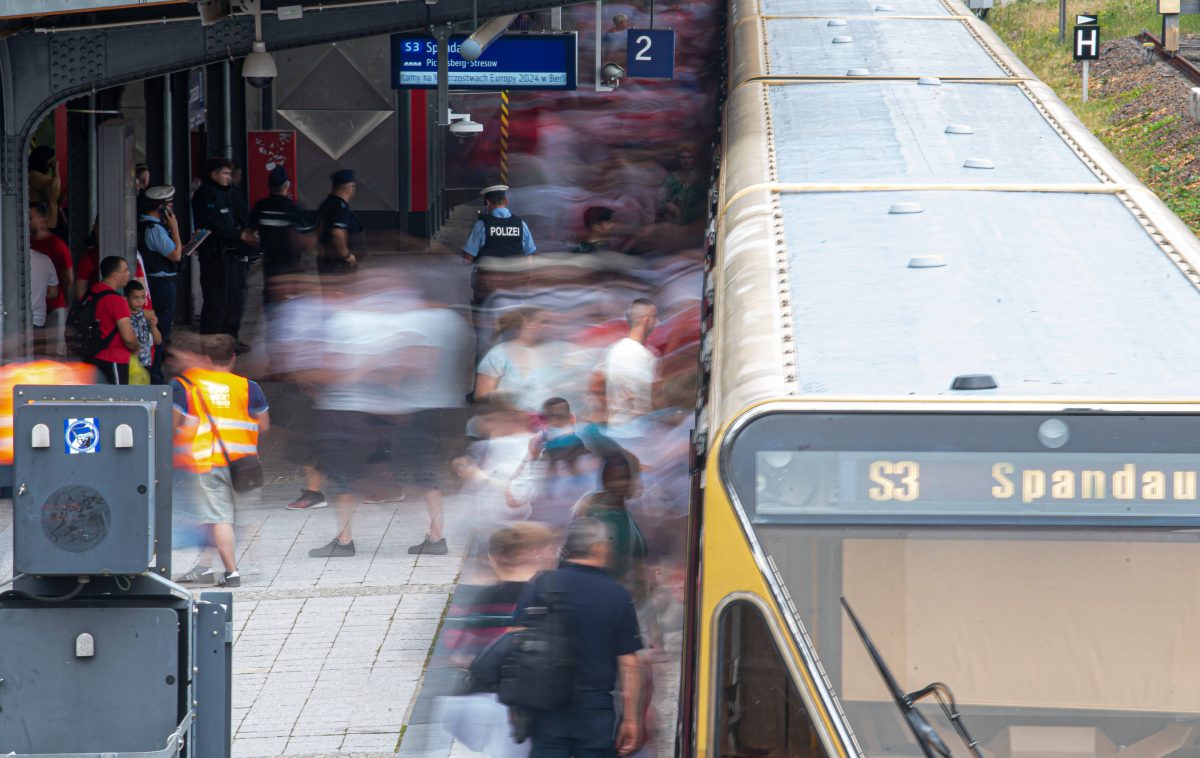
x=99, y=329
x=597, y=615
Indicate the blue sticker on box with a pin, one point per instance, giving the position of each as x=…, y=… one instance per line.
x=81, y=435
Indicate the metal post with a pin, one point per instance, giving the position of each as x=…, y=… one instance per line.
x=1062, y=21
x=442, y=35
x=168, y=138
x=226, y=116
x=93, y=205
x=1085, y=80
x=504, y=136
x=600, y=47
x=556, y=19
x=1170, y=32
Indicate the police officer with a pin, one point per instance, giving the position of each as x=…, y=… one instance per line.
x=497, y=233
x=223, y=255
x=343, y=238
x=162, y=254
x=273, y=218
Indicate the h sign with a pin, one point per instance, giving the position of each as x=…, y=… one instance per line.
x=650, y=54
x=1087, y=43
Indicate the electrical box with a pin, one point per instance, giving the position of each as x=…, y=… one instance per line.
x=84, y=487
x=88, y=680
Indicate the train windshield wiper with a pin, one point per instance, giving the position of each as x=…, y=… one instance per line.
x=927, y=737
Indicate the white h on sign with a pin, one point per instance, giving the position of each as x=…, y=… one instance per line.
x=1087, y=43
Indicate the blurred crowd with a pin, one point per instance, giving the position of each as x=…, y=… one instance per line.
x=550, y=411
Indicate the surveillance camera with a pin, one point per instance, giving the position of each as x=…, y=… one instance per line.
x=259, y=67
x=461, y=123
x=611, y=75
x=466, y=127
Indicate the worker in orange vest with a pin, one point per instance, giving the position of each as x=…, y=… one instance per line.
x=218, y=418
x=46, y=372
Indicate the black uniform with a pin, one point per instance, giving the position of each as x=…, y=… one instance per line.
x=336, y=214
x=222, y=270
x=274, y=217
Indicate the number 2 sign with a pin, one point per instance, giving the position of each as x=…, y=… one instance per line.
x=650, y=54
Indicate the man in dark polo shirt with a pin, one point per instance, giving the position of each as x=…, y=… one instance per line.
x=605, y=628
x=343, y=238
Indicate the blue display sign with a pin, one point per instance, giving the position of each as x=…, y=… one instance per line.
x=514, y=61
x=650, y=54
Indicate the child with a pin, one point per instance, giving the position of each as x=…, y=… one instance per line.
x=145, y=326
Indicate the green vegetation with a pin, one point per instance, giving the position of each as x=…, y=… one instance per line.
x=1152, y=139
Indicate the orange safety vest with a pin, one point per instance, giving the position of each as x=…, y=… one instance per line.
x=227, y=398
x=34, y=372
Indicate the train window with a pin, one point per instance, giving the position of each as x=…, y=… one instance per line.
x=760, y=713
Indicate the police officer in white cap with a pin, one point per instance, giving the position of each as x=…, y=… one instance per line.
x=497, y=233
x=162, y=252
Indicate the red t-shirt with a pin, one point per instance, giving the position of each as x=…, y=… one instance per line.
x=57, y=251
x=109, y=310
x=88, y=269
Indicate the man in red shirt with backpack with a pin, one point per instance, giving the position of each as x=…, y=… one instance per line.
x=100, y=323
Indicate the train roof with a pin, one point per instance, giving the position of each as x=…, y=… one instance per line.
x=902, y=202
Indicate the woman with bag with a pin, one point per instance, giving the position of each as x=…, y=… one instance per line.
x=218, y=418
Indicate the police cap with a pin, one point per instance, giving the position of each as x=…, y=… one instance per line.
x=162, y=193
x=344, y=176
x=495, y=189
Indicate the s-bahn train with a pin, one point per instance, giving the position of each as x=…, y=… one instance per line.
x=950, y=376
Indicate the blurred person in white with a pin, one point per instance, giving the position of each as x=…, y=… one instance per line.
x=629, y=368
x=502, y=439
x=43, y=286
x=517, y=366
x=404, y=366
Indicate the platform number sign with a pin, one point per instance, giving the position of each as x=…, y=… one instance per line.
x=650, y=54
x=1087, y=38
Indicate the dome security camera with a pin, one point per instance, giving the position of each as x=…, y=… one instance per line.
x=259, y=67
x=611, y=75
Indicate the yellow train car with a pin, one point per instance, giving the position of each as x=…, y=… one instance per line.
x=950, y=369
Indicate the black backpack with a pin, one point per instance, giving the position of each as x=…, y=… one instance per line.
x=83, y=334
x=538, y=674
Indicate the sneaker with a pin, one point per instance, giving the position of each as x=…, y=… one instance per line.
x=385, y=497
x=309, y=500
x=230, y=579
x=334, y=549
x=429, y=547
x=198, y=575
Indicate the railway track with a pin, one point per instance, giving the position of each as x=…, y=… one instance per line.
x=1183, y=65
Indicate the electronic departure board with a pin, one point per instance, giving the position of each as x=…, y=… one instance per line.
x=513, y=61
x=1107, y=469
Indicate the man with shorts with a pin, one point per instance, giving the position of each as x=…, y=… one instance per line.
x=218, y=418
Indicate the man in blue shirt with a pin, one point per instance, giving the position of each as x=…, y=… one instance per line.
x=498, y=233
x=605, y=629
x=162, y=251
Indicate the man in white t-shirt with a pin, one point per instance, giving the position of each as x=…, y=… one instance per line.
x=629, y=368
x=43, y=285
